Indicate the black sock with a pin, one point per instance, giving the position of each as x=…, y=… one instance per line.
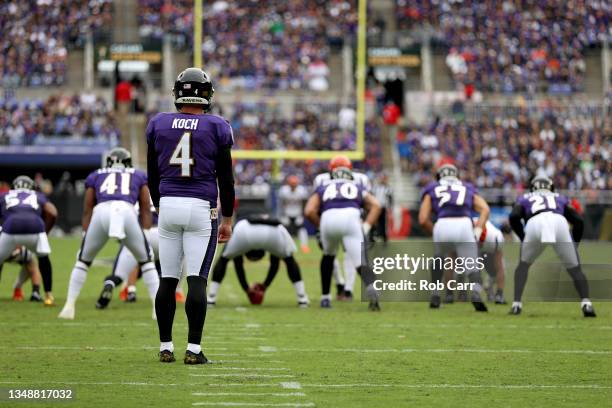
x=195, y=308
x=113, y=278
x=499, y=292
x=35, y=288
x=436, y=276
x=46, y=272
x=327, y=270
x=580, y=281
x=520, y=279
x=293, y=270
x=165, y=306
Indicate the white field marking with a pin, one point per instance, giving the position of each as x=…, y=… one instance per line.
x=268, y=349
x=252, y=326
x=253, y=394
x=291, y=385
x=243, y=368
x=408, y=350
x=365, y=385
x=245, y=375
x=95, y=348
x=255, y=404
x=240, y=309
x=248, y=361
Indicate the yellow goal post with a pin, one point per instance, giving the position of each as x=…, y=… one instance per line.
x=359, y=152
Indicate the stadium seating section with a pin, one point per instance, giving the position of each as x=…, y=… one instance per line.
x=513, y=45
x=35, y=36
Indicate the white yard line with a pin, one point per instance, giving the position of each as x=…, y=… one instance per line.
x=254, y=404
x=291, y=385
x=268, y=349
x=253, y=394
x=450, y=350
x=242, y=368
x=244, y=375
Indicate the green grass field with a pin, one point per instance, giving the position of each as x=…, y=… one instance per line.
x=279, y=355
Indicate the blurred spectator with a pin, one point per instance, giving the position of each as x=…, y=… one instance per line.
x=123, y=96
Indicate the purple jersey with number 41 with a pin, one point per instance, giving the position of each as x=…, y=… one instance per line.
x=21, y=211
x=187, y=146
x=117, y=184
x=340, y=194
x=542, y=201
x=451, y=198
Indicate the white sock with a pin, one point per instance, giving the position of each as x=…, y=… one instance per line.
x=166, y=345
x=350, y=273
x=299, y=289
x=303, y=235
x=519, y=304
x=194, y=348
x=213, y=289
x=77, y=280
x=328, y=297
x=338, y=273
x=151, y=280
x=132, y=289
x=585, y=301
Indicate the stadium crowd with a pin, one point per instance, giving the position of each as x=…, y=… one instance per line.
x=513, y=45
x=26, y=122
x=35, y=36
x=280, y=44
x=505, y=152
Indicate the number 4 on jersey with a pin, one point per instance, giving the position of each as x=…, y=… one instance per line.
x=182, y=155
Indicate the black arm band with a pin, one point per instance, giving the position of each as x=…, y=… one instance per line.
x=153, y=174
x=225, y=178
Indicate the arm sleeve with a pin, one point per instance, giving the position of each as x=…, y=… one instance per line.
x=272, y=271
x=515, y=219
x=152, y=166
x=225, y=178
x=576, y=221
x=239, y=266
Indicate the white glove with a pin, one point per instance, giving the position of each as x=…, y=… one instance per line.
x=366, y=228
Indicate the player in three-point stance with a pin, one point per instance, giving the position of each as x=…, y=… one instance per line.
x=189, y=165
x=335, y=208
x=109, y=212
x=27, y=216
x=547, y=217
x=452, y=201
x=253, y=237
x=344, y=284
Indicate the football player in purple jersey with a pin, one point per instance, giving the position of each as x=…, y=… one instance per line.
x=335, y=208
x=190, y=167
x=548, y=216
x=452, y=202
x=27, y=216
x=109, y=212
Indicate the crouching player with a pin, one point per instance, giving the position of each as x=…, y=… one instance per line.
x=253, y=237
x=452, y=201
x=335, y=208
x=27, y=216
x=491, y=250
x=28, y=270
x=109, y=212
x=547, y=217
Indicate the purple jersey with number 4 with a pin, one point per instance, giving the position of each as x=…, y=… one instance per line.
x=187, y=147
x=340, y=194
x=116, y=184
x=542, y=201
x=450, y=198
x=21, y=211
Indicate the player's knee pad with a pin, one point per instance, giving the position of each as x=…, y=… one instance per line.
x=293, y=269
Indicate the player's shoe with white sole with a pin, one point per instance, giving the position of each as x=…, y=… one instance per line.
x=516, y=308
x=35, y=297
x=193, y=358
x=105, y=296
x=303, y=302
x=587, y=310
x=67, y=312
x=166, y=356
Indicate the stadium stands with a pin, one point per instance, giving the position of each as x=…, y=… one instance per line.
x=505, y=152
x=82, y=116
x=276, y=44
x=35, y=36
x=514, y=45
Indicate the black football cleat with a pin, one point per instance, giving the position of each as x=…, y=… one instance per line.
x=499, y=299
x=193, y=358
x=374, y=306
x=348, y=296
x=434, y=302
x=479, y=306
x=166, y=356
x=131, y=297
x=325, y=303
x=515, y=310
x=449, y=298
x=588, y=311
x=105, y=297
x=36, y=297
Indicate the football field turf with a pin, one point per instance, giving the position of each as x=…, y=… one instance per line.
x=278, y=355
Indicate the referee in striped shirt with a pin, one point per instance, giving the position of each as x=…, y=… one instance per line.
x=384, y=194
